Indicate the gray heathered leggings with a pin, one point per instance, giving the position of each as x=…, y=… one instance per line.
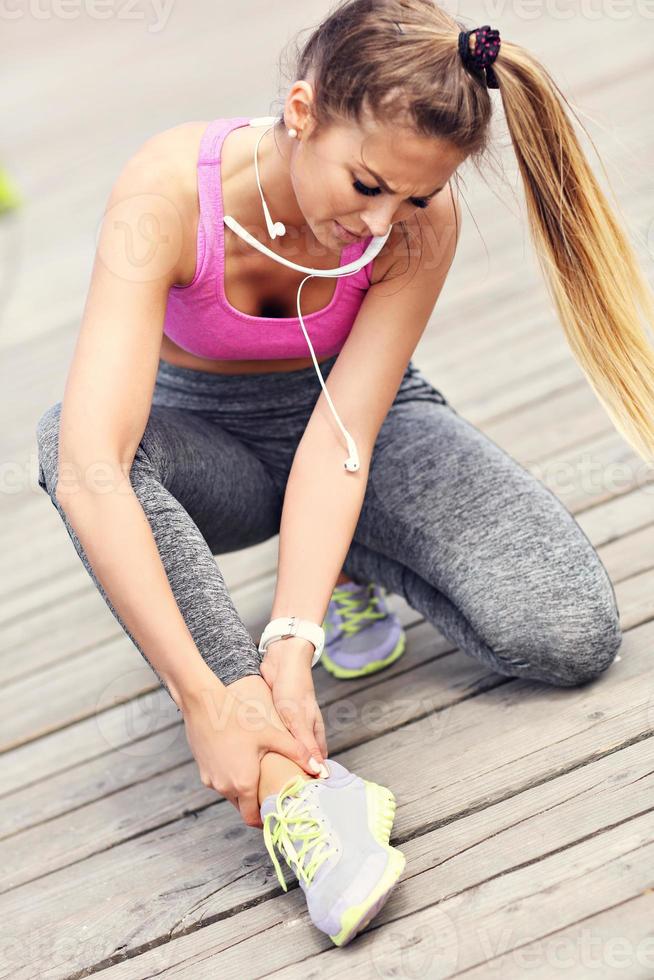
x=450, y=522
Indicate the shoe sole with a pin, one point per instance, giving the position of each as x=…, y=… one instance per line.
x=346, y=673
x=381, y=809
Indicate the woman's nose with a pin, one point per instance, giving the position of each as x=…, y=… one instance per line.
x=379, y=217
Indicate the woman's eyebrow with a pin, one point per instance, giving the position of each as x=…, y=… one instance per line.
x=382, y=183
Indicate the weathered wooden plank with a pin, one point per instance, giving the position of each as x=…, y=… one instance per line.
x=551, y=420
x=607, y=522
x=515, y=394
x=505, y=912
x=32, y=547
x=75, y=683
x=635, y=597
x=630, y=555
x=40, y=633
x=383, y=694
x=497, y=855
x=607, y=944
x=599, y=470
x=47, y=593
x=617, y=942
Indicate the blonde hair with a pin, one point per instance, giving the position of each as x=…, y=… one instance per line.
x=398, y=61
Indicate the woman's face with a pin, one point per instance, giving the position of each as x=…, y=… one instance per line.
x=366, y=179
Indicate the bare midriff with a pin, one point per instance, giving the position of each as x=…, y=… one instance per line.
x=173, y=354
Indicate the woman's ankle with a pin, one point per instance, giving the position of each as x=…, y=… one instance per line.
x=275, y=772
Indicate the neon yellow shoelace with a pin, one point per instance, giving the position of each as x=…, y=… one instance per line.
x=295, y=822
x=353, y=618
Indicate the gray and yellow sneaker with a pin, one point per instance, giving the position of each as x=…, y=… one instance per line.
x=334, y=833
x=362, y=635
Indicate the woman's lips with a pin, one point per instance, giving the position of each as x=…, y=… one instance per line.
x=345, y=234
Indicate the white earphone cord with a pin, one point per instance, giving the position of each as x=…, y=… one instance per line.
x=353, y=458
x=277, y=229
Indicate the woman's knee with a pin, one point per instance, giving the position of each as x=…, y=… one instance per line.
x=568, y=649
x=47, y=437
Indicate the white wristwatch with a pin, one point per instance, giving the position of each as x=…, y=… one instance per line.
x=284, y=626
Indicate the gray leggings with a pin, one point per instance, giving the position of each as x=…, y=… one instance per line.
x=450, y=522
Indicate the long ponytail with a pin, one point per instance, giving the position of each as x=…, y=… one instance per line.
x=400, y=60
x=593, y=275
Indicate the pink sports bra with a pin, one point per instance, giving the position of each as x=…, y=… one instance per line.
x=201, y=320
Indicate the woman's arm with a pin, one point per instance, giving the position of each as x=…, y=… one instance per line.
x=323, y=501
x=105, y=409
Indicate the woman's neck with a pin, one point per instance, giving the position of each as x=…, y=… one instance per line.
x=274, y=158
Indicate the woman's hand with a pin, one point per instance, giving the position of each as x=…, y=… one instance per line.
x=286, y=669
x=228, y=738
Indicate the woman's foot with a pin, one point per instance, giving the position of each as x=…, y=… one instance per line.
x=334, y=833
x=362, y=635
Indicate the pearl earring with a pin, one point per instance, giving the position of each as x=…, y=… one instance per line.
x=292, y=133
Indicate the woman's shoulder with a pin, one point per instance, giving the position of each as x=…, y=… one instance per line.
x=169, y=159
x=175, y=152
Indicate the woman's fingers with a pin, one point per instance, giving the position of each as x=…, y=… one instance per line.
x=321, y=738
x=247, y=792
x=286, y=744
x=304, y=731
x=248, y=806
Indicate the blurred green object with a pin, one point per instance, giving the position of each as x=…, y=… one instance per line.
x=10, y=197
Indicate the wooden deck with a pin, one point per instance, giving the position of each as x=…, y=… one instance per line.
x=525, y=811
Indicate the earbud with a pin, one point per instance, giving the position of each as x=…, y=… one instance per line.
x=276, y=229
x=351, y=464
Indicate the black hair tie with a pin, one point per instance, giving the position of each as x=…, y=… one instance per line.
x=487, y=46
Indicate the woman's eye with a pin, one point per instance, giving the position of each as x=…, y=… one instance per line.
x=419, y=202
x=363, y=189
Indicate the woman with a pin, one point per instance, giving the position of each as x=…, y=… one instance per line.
x=191, y=423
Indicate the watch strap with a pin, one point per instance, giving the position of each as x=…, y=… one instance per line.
x=283, y=626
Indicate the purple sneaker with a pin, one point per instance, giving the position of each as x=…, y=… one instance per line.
x=334, y=833
x=362, y=635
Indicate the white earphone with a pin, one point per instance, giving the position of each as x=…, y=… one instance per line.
x=277, y=229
